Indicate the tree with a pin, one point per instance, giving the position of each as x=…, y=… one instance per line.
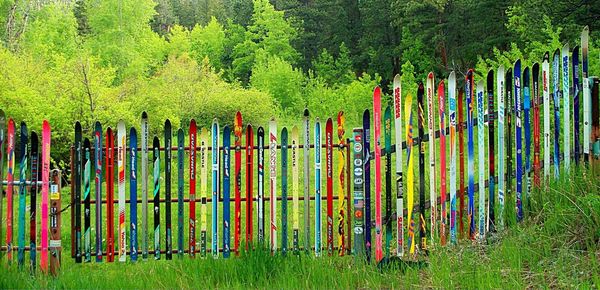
x=277, y=77
x=208, y=41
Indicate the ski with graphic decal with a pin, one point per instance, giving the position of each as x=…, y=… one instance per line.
x=216, y=188
x=377, y=139
x=10, y=151
x=481, y=151
x=249, y=185
x=387, y=136
x=121, y=153
x=491, y=218
x=399, y=186
x=35, y=164
x=430, y=87
x=546, y=103
x=168, y=157
x=469, y=92
x=359, y=202
x=519, y=139
x=306, y=157
x=295, y=193
x=453, y=124
x=536, y=125
x=237, y=130
x=226, y=191
x=156, y=195
x=44, y=226
x=24, y=156
x=556, y=100
x=500, y=89
x=144, y=171
x=2, y=141
x=180, y=193
x=508, y=80
x=461, y=155
x=366, y=137
x=77, y=176
x=576, y=90
x=98, y=183
x=410, y=174
x=442, y=126
x=566, y=108
x=527, y=129
x=203, y=190
x=421, y=122
x=341, y=183
x=317, y=187
x=110, y=192
x=284, y=189
x=133, y=193
x=273, y=184
x=587, y=113
x=261, y=186
x=193, y=139
x=329, y=182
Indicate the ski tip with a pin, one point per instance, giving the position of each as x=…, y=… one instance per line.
x=23, y=126
x=556, y=53
x=565, y=49
x=144, y=115
x=329, y=122
x=576, y=51
x=155, y=141
x=261, y=130
x=226, y=131
x=452, y=77
x=86, y=141
x=397, y=81
x=167, y=124
x=490, y=76
x=215, y=122
x=500, y=71
x=121, y=125
x=306, y=112
x=284, y=132
x=45, y=125
x=179, y=131
x=248, y=127
x=517, y=63
x=366, y=113
x=238, y=117
x=546, y=56
x=376, y=92
x=192, y=123
x=480, y=87
x=341, y=119
x=441, y=86
x=132, y=131
x=430, y=75
x=77, y=126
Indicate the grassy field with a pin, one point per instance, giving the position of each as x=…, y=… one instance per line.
x=557, y=246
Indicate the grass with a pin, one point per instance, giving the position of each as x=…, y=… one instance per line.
x=556, y=246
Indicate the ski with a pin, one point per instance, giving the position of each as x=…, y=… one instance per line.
x=295, y=193
x=556, y=100
x=387, y=136
x=410, y=174
x=2, y=141
x=519, y=139
x=442, y=125
x=452, y=114
x=22, y=193
x=261, y=185
x=491, y=218
x=377, y=139
x=249, y=184
x=133, y=194
x=595, y=138
x=144, y=143
x=329, y=182
x=500, y=89
x=341, y=183
x=98, y=183
x=359, y=203
x=237, y=129
x=576, y=90
x=168, y=157
x=216, y=189
x=45, y=187
x=587, y=113
x=546, y=104
x=193, y=139
x=35, y=164
x=110, y=206
x=469, y=92
x=366, y=137
x=10, y=178
x=273, y=184
x=203, y=190
x=430, y=87
x=226, y=191
x=77, y=174
x=509, y=170
x=461, y=155
x=306, y=157
x=180, y=191
x=284, y=189
x=481, y=151
x=536, y=125
x=54, y=244
x=121, y=153
x=566, y=108
x=422, y=226
x=399, y=186
x=317, y=187
x=86, y=194
x=527, y=129
x=156, y=195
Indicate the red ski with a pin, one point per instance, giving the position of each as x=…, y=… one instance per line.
x=45, y=189
x=329, y=170
x=238, y=181
x=249, y=182
x=378, y=221
x=110, y=186
x=193, y=141
x=441, y=104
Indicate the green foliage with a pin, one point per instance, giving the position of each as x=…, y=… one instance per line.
x=209, y=42
x=277, y=77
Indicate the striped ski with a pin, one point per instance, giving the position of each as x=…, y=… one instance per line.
x=329, y=182
x=461, y=163
x=410, y=174
x=86, y=194
x=536, y=125
x=546, y=103
x=527, y=129
x=399, y=182
x=453, y=124
x=442, y=126
x=359, y=202
x=2, y=142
